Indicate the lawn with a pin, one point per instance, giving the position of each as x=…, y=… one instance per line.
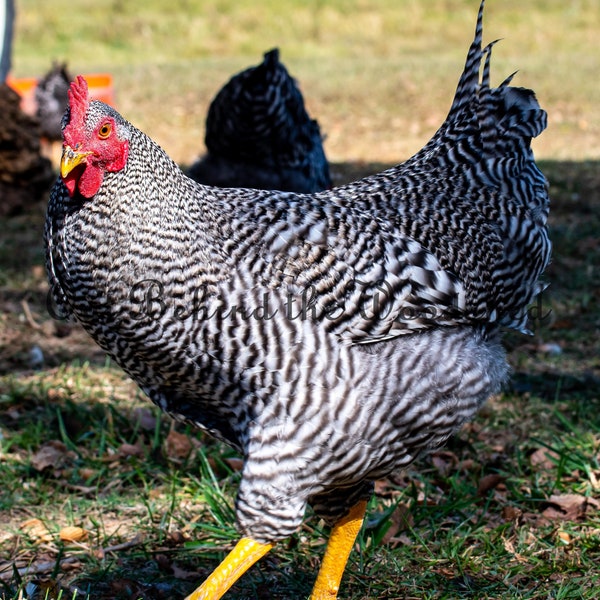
x=102, y=497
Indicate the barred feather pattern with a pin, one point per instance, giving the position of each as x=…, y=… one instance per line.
x=329, y=337
x=259, y=134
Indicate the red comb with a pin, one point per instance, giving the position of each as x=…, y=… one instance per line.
x=78, y=100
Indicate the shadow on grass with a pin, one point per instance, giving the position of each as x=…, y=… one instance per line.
x=91, y=411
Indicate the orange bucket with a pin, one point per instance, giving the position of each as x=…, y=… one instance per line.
x=100, y=87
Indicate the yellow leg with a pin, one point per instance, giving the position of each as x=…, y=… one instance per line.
x=236, y=563
x=341, y=540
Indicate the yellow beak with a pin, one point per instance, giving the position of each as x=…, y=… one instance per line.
x=70, y=159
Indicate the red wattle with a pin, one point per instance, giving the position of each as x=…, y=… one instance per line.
x=90, y=181
x=70, y=183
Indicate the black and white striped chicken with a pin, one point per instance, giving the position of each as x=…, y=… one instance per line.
x=330, y=337
x=259, y=134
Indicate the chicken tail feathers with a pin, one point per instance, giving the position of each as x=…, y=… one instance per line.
x=484, y=148
x=505, y=111
x=469, y=80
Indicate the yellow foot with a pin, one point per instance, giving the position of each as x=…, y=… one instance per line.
x=341, y=540
x=236, y=563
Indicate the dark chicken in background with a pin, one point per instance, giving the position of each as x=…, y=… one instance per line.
x=259, y=135
x=51, y=100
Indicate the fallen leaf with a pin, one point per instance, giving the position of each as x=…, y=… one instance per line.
x=510, y=548
x=489, y=482
x=235, y=464
x=400, y=520
x=533, y=520
x=127, y=450
x=569, y=507
x=383, y=488
x=564, y=537
x=72, y=534
x=511, y=513
x=177, y=446
x=163, y=563
x=544, y=458
x=51, y=454
x=182, y=574
x=401, y=540
x=126, y=587
x=36, y=530
x=468, y=466
x=87, y=472
x=444, y=461
x=177, y=537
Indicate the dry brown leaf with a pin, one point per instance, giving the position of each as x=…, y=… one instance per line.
x=569, y=507
x=544, y=458
x=444, y=461
x=510, y=548
x=126, y=587
x=401, y=540
x=163, y=563
x=384, y=488
x=72, y=534
x=36, y=530
x=51, y=454
x=511, y=513
x=182, y=574
x=534, y=520
x=400, y=520
x=176, y=538
x=489, y=482
x=87, y=472
x=127, y=450
x=177, y=446
x=468, y=465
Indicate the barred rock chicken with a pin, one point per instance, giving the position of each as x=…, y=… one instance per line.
x=330, y=337
x=259, y=135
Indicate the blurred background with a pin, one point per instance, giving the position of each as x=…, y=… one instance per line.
x=379, y=75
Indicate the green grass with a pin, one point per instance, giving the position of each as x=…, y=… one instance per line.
x=157, y=523
x=486, y=517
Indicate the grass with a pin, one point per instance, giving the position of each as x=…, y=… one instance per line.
x=508, y=509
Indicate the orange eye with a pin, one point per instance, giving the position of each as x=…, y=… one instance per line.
x=104, y=131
